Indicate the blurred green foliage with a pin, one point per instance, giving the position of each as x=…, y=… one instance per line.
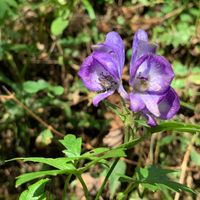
x=42, y=44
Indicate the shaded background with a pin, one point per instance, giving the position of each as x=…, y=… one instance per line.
x=43, y=43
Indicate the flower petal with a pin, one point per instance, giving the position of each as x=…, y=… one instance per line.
x=123, y=92
x=136, y=103
x=90, y=72
x=151, y=103
x=100, y=97
x=169, y=104
x=150, y=119
x=108, y=63
x=160, y=74
x=114, y=41
x=114, y=46
x=156, y=69
x=140, y=47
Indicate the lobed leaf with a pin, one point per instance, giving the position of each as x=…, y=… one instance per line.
x=24, y=178
x=175, y=126
x=35, y=191
x=59, y=163
x=72, y=144
x=154, y=178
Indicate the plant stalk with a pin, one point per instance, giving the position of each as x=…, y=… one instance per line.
x=106, y=179
x=86, y=192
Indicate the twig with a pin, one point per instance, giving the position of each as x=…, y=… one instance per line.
x=173, y=13
x=184, y=165
x=14, y=98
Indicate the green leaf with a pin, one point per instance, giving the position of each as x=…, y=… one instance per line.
x=59, y=163
x=12, y=3
x=72, y=144
x=89, y=9
x=180, y=69
x=95, y=152
x=114, y=153
x=124, y=178
x=175, y=126
x=195, y=78
x=166, y=140
x=154, y=178
x=58, y=26
x=44, y=138
x=35, y=86
x=57, y=90
x=35, y=191
x=114, y=183
x=6, y=7
x=20, y=47
x=178, y=83
x=24, y=178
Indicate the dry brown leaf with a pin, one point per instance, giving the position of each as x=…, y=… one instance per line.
x=93, y=185
x=114, y=138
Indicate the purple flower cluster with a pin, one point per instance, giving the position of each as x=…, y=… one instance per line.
x=150, y=76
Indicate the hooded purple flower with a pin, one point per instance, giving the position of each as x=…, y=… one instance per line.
x=151, y=76
x=102, y=70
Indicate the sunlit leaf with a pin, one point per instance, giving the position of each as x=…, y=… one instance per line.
x=175, y=126
x=44, y=138
x=59, y=163
x=35, y=191
x=24, y=178
x=89, y=9
x=57, y=90
x=72, y=144
x=114, y=153
x=35, y=86
x=58, y=26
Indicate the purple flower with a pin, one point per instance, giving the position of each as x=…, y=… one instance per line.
x=151, y=76
x=102, y=70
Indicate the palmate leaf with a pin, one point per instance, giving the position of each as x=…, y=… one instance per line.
x=154, y=178
x=72, y=145
x=24, y=178
x=33, y=87
x=113, y=153
x=175, y=126
x=59, y=163
x=58, y=25
x=35, y=191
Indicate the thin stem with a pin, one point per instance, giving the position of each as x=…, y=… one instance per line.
x=130, y=187
x=45, y=124
x=126, y=134
x=86, y=192
x=106, y=179
x=65, y=187
x=129, y=145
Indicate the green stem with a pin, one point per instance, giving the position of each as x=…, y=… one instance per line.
x=86, y=192
x=126, y=134
x=64, y=196
x=129, y=145
x=13, y=67
x=106, y=179
x=130, y=187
